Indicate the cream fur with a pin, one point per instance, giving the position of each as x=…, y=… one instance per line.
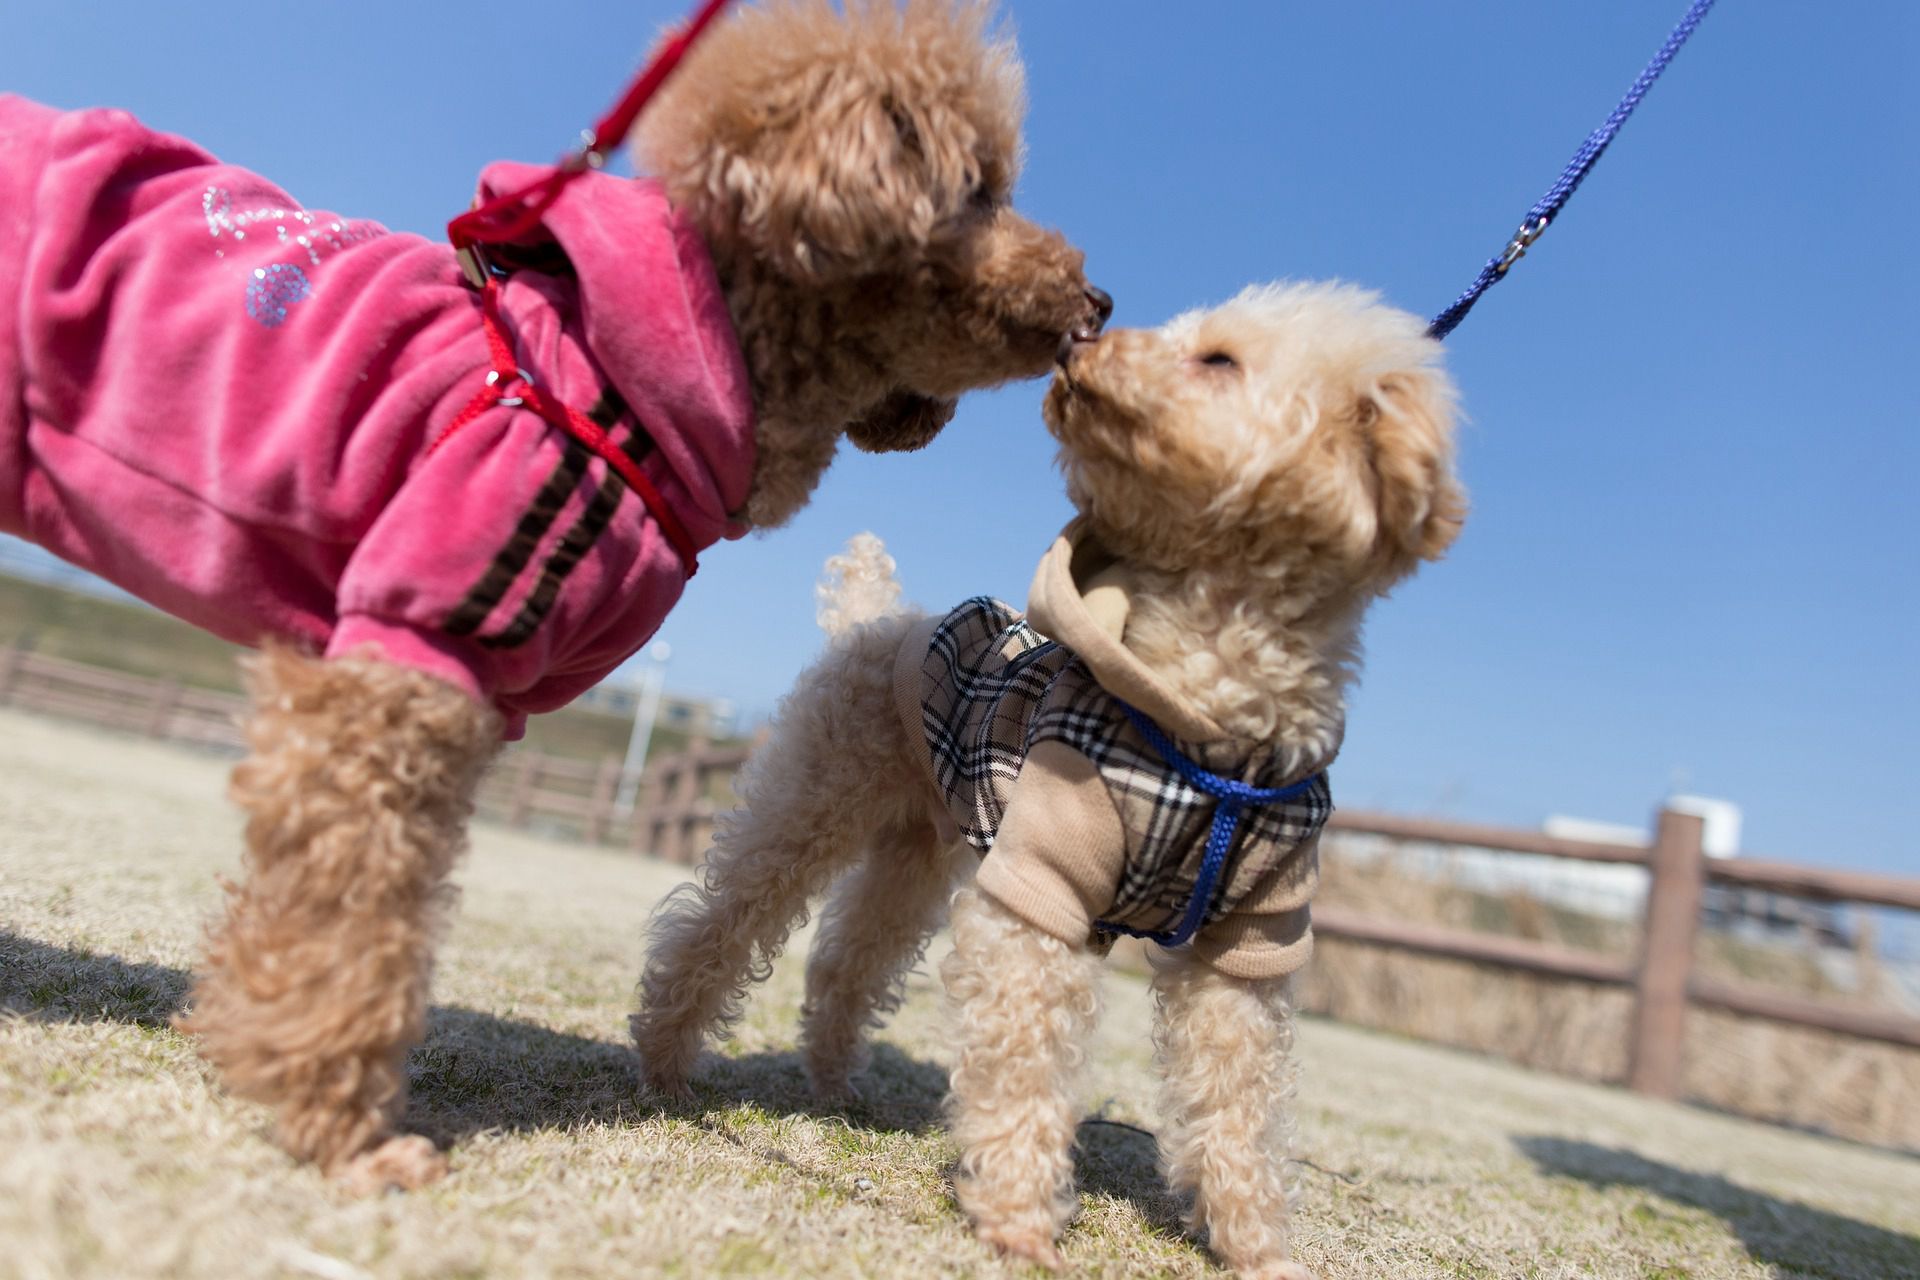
x=1259, y=472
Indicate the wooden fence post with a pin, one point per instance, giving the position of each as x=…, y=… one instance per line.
x=166, y=700
x=526, y=777
x=1678, y=870
x=600, y=807
x=687, y=786
x=643, y=834
x=12, y=659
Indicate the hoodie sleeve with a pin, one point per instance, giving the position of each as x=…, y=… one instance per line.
x=1057, y=858
x=1270, y=934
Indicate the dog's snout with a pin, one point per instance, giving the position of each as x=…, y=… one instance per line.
x=1063, y=354
x=1102, y=304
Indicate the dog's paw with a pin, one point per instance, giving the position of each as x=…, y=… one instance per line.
x=657, y=1082
x=832, y=1086
x=1027, y=1244
x=401, y=1163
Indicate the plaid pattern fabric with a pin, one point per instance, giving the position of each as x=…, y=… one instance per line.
x=992, y=688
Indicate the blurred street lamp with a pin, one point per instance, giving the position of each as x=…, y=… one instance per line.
x=653, y=682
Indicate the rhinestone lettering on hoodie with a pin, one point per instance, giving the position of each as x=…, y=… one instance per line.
x=273, y=289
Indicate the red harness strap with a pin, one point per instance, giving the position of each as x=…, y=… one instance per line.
x=513, y=215
x=509, y=384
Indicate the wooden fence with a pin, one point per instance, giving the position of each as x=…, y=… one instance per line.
x=678, y=798
x=672, y=817
x=136, y=704
x=680, y=795
x=1662, y=978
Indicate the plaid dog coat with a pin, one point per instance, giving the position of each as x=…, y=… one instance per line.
x=992, y=689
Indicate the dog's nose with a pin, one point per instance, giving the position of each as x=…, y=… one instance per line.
x=1102, y=304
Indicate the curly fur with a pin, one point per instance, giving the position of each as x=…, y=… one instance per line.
x=314, y=984
x=851, y=172
x=1025, y=1005
x=1258, y=473
x=1224, y=1051
x=834, y=779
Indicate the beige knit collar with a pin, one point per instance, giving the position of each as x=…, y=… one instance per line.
x=1088, y=622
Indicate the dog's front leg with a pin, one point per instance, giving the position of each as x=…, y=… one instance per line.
x=1026, y=1004
x=1223, y=1046
x=314, y=985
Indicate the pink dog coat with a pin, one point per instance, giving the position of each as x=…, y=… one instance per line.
x=223, y=403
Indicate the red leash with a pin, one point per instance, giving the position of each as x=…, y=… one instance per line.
x=510, y=217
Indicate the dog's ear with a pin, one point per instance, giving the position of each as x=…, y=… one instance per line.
x=829, y=143
x=904, y=421
x=848, y=188
x=1407, y=418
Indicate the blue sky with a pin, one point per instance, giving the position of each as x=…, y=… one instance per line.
x=1692, y=444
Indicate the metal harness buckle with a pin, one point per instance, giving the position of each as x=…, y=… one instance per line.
x=521, y=376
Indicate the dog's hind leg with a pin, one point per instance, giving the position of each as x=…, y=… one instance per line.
x=874, y=930
x=834, y=771
x=1223, y=1046
x=1026, y=1005
x=314, y=985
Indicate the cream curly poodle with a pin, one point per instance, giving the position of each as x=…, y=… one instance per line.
x=1144, y=752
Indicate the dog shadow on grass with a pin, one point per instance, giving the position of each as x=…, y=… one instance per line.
x=1775, y=1232
x=479, y=1072
x=60, y=984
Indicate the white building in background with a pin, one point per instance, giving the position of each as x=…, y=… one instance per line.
x=1720, y=820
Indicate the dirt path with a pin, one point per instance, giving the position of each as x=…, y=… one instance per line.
x=118, y=1160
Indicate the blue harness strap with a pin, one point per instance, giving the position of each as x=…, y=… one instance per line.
x=1547, y=207
x=1233, y=798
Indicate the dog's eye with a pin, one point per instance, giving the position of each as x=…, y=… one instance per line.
x=981, y=199
x=1219, y=360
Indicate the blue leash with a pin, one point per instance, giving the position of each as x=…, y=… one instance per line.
x=1233, y=798
x=1547, y=207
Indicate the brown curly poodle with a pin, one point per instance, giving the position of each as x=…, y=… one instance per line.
x=1249, y=478
x=849, y=175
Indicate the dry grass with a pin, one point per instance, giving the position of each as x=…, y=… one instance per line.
x=118, y=1160
x=1851, y=1088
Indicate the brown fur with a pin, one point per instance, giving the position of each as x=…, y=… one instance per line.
x=314, y=986
x=1256, y=474
x=851, y=175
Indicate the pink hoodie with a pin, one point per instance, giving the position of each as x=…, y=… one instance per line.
x=223, y=403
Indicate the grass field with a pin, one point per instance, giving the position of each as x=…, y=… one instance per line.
x=118, y=1158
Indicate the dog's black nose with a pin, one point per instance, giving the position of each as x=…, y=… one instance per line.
x=1102, y=303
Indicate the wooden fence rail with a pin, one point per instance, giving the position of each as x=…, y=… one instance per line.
x=680, y=796
x=1663, y=980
